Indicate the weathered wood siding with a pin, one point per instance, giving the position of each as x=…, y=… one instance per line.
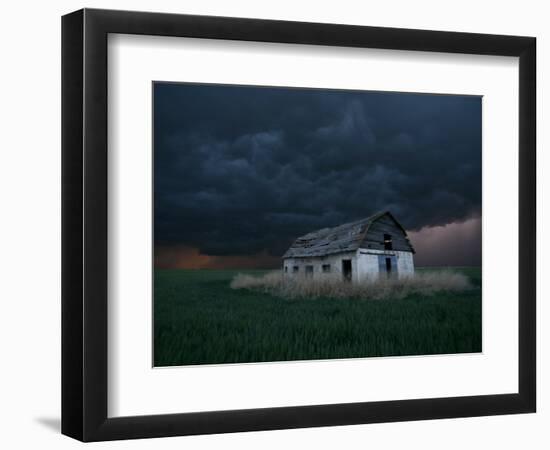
x=374, y=239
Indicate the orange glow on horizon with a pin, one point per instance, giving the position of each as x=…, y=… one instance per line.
x=183, y=257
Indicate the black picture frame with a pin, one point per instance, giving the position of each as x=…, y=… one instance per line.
x=84, y=224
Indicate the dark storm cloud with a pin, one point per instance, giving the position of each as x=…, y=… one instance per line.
x=244, y=170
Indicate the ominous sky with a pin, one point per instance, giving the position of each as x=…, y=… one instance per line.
x=241, y=171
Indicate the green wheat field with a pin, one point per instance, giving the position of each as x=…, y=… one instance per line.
x=199, y=319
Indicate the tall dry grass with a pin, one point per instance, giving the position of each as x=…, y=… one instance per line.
x=425, y=283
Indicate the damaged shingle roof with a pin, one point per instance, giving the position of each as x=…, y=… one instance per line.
x=343, y=238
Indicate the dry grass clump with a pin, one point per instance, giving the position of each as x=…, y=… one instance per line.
x=425, y=283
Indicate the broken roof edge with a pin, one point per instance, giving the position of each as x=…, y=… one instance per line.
x=326, y=230
x=296, y=250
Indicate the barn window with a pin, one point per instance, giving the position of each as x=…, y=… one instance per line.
x=295, y=269
x=388, y=245
x=326, y=268
x=309, y=271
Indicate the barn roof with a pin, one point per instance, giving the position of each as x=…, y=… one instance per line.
x=343, y=238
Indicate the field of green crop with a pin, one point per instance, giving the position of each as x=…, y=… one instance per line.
x=199, y=319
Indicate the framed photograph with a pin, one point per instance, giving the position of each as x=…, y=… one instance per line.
x=272, y=224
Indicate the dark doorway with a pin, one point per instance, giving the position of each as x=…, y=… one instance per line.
x=388, y=244
x=387, y=265
x=346, y=269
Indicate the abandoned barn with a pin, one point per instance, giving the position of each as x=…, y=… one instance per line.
x=357, y=251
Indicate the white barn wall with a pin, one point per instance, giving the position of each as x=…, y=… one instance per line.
x=405, y=264
x=364, y=264
x=368, y=263
x=335, y=261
